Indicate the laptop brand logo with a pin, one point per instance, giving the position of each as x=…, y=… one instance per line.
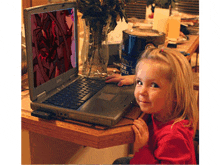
x=59, y=80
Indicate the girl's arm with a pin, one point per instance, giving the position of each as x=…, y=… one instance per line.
x=121, y=80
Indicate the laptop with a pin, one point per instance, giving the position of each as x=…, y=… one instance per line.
x=56, y=89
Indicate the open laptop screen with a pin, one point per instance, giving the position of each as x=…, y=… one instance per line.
x=53, y=44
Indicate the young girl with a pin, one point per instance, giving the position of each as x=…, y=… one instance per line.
x=164, y=89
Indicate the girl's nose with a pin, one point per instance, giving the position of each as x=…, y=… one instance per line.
x=144, y=91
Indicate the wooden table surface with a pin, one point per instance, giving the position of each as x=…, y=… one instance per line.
x=79, y=132
x=89, y=134
x=189, y=46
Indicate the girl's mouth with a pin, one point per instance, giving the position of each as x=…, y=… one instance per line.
x=143, y=102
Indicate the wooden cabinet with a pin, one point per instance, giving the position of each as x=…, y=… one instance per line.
x=136, y=9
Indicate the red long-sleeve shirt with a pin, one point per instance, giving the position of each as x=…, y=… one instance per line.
x=167, y=145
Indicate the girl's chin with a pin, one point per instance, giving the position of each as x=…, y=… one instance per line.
x=144, y=104
x=145, y=109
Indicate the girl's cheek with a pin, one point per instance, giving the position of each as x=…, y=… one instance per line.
x=135, y=93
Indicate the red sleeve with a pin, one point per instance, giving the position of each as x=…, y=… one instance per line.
x=144, y=156
x=174, y=150
x=170, y=150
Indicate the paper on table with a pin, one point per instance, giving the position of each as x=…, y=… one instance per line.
x=160, y=19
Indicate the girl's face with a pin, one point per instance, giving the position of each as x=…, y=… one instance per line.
x=152, y=91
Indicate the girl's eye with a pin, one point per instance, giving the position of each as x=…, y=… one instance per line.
x=138, y=82
x=154, y=85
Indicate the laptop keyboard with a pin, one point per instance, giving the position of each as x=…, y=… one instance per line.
x=77, y=93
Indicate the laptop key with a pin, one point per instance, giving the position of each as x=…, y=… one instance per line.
x=87, y=96
x=76, y=94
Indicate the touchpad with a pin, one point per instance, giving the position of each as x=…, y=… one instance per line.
x=105, y=96
x=120, y=99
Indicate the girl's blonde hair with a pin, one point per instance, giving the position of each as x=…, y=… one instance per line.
x=181, y=77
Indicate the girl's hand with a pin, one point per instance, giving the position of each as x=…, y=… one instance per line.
x=141, y=134
x=122, y=80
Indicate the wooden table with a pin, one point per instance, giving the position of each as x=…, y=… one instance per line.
x=88, y=134
x=79, y=132
x=190, y=46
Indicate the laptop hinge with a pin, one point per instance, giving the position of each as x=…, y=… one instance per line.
x=41, y=95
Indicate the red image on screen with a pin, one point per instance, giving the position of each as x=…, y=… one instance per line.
x=53, y=44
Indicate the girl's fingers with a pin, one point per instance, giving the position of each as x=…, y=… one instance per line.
x=113, y=76
x=143, y=123
x=113, y=80
x=139, y=126
x=126, y=82
x=141, y=133
x=136, y=131
x=122, y=80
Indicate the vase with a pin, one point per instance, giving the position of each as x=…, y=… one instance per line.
x=95, y=51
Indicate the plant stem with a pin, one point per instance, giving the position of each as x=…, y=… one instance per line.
x=91, y=60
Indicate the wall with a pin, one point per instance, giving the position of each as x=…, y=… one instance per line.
x=90, y=155
x=40, y=149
